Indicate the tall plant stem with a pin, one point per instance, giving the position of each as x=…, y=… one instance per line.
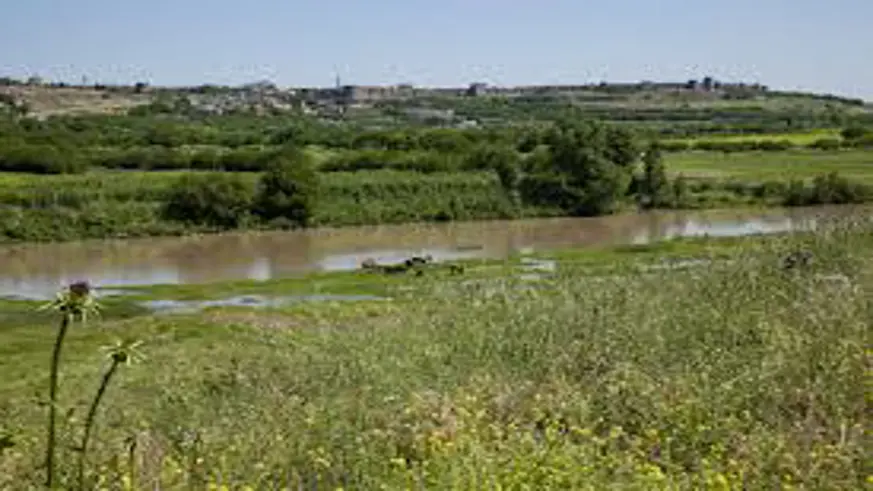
x=92, y=414
x=53, y=396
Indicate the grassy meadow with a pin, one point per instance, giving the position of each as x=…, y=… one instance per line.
x=612, y=372
x=856, y=165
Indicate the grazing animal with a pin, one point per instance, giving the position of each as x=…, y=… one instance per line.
x=413, y=263
x=797, y=259
x=395, y=268
x=419, y=260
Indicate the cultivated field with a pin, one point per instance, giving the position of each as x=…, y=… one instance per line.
x=778, y=166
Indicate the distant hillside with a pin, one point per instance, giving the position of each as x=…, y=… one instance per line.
x=39, y=99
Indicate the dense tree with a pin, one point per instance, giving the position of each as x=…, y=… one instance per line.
x=654, y=189
x=288, y=190
x=854, y=132
x=595, y=167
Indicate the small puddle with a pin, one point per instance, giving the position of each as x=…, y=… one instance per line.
x=677, y=264
x=254, y=301
x=544, y=265
x=532, y=277
x=30, y=296
x=113, y=292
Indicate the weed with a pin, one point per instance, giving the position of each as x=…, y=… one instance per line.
x=75, y=302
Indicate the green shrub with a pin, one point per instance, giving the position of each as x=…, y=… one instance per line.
x=830, y=188
x=854, y=132
x=39, y=159
x=829, y=144
x=289, y=189
x=217, y=200
x=675, y=146
x=863, y=141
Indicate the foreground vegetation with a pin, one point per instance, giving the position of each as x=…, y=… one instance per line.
x=614, y=371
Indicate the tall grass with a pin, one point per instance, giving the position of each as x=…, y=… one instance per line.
x=732, y=375
x=128, y=204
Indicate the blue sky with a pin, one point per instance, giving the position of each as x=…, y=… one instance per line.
x=790, y=44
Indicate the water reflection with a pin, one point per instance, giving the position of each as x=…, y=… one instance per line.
x=39, y=270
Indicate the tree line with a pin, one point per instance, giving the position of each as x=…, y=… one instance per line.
x=584, y=169
x=77, y=144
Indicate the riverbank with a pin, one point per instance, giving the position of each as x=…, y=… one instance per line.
x=641, y=365
x=118, y=204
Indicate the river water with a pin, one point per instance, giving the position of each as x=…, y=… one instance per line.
x=39, y=270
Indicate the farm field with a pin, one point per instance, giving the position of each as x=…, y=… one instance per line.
x=778, y=166
x=799, y=138
x=695, y=363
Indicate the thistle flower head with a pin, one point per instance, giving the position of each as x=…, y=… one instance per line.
x=76, y=300
x=124, y=352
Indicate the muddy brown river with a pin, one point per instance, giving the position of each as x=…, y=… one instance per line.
x=39, y=270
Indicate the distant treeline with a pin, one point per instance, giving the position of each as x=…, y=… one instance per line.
x=75, y=144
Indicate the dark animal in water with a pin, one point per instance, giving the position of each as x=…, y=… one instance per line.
x=372, y=265
x=395, y=268
x=418, y=260
x=797, y=259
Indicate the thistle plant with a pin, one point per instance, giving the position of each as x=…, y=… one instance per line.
x=120, y=353
x=74, y=302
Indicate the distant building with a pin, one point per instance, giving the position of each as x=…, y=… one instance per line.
x=477, y=89
x=358, y=94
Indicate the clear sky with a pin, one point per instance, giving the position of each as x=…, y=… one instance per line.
x=789, y=44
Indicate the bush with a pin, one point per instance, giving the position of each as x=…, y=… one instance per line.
x=854, y=132
x=774, y=145
x=830, y=188
x=145, y=158
x=247, y=159
x=675, y=146
x=826, y=144
x=863, y=141
x=545, y=189
x=289, y=189
x=39, y=159
x=216, y=200
x=367, y=160
x=728, y=146
x=536, y=161
x=430, y=162
x=206, y=159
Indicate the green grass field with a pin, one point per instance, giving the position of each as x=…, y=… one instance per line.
x=781, y=166
x=608, y=373
x=799, y=138
x=763, y=165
